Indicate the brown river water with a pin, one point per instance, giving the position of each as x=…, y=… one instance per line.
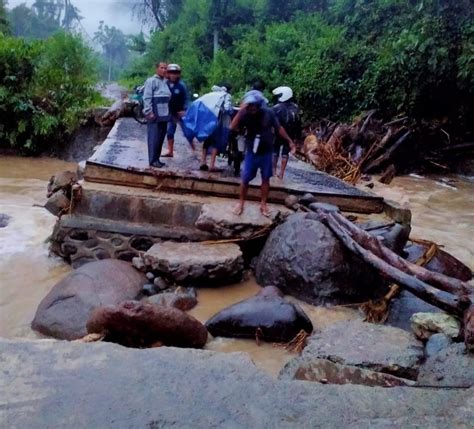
x=442, y=213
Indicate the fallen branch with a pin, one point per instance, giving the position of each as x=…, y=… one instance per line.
x=438, y=280
x=459, y=303
x=445, y=301
x=388, y=153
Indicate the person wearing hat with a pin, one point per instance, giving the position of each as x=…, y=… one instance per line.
x=288, y=113
x=156, y=97
x=178, y=104
x=260, y=126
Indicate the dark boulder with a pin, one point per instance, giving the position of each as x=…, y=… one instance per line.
x=393, y=235
x=404, y=306
x=64, y=312
x=266, y=315
x=304, y=259
x=4, y=220
x=441, y=262
x=138, y=324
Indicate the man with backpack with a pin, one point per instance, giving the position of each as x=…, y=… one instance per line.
x=156, y=97
x=178, y=104
x=288, y=113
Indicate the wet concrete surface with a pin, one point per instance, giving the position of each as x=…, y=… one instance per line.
x=126, y=148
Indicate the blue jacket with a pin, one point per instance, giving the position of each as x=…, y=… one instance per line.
x=179, y=97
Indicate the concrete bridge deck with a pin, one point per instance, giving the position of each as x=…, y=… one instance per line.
x=122, y=160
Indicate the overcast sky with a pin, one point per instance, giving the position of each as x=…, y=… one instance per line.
x=116, y=13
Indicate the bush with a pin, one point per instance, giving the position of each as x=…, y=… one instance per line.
x=45, y=88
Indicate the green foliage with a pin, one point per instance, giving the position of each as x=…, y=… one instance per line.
x=413, y=57
x=4, y=25
x=45, y=86
x=43, y=19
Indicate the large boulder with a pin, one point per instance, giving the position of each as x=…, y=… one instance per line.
x=219, y=219
x=267, y=316
x=138, y=324
x=64, y=312
x=195, y=263
x=304, y=259
x=376, y=347
x=451, y=367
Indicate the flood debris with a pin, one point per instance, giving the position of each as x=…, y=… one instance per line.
x=63, y=192
x=370, y=145
x=452, y=295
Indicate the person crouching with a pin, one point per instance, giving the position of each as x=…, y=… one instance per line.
x=260, y=125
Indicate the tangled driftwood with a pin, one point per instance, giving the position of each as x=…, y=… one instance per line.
x=452, y=295
x=370, y=145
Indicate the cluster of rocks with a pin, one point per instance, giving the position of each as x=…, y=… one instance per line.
x=107, y=298
x=356, y=352
x=141, y=306
x=102, y=298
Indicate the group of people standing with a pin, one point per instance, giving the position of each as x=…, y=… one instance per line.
x=266, y=133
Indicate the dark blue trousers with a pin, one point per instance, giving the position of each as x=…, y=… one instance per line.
x=156, y=137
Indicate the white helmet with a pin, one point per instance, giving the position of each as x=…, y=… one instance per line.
x=284, y=93
x=173, y=68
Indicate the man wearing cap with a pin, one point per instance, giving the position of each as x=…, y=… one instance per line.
x=178, y=104
x=156, y=97
x=260, y=126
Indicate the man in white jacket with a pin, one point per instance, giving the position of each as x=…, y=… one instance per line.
x=156, y=97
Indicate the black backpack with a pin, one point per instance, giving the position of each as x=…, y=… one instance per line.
x=289, y=116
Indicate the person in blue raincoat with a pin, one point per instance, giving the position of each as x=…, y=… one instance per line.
x=208, y=120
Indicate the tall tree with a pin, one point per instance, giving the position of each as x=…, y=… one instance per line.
x=158, y=13
x=4, y=27
x=114, y=47
x=218, y=14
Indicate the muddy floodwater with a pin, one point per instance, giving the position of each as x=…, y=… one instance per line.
x=441, y=212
